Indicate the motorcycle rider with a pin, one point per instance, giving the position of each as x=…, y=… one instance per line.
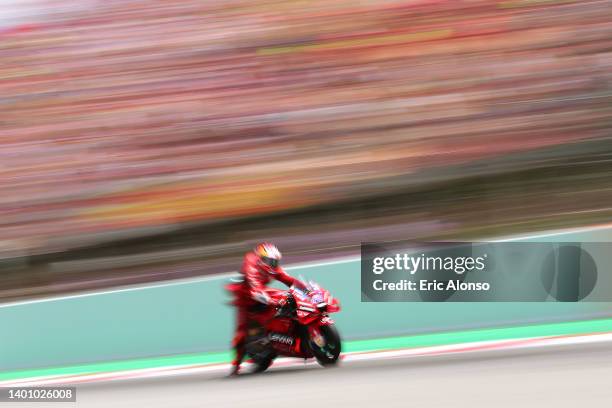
x=259, y=267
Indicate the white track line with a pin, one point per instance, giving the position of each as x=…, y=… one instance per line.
x=553, y=233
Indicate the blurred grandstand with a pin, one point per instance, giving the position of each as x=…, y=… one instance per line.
x=155, y=139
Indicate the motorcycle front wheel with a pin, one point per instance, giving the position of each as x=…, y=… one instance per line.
x=328, y=353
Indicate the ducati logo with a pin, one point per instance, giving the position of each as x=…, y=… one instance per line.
x=280, y=338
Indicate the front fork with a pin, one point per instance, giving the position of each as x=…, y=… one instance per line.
x=311, y=331
x=315, y=335
x=314, y=332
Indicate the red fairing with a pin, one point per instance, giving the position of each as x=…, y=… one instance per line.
x=312, y=310
x=312, y=306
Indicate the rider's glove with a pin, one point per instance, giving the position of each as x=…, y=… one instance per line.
x=276, y=303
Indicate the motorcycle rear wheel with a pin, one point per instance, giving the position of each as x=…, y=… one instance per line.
x=329, y=354
x=262, y=365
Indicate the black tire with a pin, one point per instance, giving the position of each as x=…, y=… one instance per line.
x=262, y=365
x=329, y=354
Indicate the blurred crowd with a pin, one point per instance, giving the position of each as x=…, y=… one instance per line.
x=126, y=117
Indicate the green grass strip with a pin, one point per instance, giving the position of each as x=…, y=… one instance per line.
x=423, y=340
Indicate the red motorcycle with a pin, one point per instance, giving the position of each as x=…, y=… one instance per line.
x=300, y=328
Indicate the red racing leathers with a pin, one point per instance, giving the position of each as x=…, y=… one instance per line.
x=253, y=292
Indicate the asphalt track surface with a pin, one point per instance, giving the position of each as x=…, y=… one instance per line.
x=558, y=376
